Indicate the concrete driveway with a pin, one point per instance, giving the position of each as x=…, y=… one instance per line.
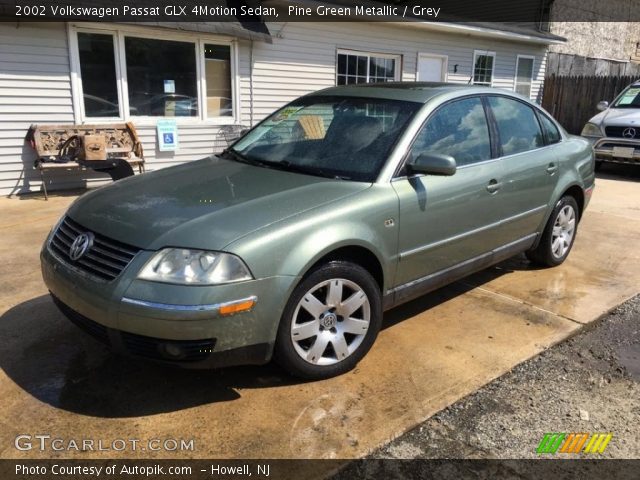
x=56, y=380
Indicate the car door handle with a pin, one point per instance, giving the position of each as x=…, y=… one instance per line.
x=493, y=186
x=552, y=168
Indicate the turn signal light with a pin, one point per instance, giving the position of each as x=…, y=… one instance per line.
x=237, y=307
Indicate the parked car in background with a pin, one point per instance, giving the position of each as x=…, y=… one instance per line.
x=615, y=131
x=340, y=205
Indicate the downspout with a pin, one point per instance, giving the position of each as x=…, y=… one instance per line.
x=251, y=84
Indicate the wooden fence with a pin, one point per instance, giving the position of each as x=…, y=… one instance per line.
x=572, y=99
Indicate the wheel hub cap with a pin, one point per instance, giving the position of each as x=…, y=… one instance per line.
x=563, y=231
x=330, y=321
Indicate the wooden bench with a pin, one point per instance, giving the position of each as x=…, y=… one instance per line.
x=119, y=142
x=47, y=166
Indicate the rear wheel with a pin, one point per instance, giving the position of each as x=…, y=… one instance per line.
x=559, y=234
x=330, y=322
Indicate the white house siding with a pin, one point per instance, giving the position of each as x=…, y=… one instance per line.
x=35, y=83
x=302, y=58
x=34, y=88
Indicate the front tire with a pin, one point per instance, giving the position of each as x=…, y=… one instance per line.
x=559, y=234
x=330, y=322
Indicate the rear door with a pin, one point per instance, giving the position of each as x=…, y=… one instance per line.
x=530, y=162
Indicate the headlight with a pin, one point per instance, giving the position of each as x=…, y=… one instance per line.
x=194, y=267
x=591, y=130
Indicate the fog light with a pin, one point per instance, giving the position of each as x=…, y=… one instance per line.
x=172, y=350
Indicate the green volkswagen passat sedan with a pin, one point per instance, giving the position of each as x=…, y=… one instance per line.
x=293, y=241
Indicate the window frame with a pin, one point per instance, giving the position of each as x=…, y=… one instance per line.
x=119, y=33
x=515, y=73
x=540, y=114
x=399, y=171
x=486, y=53
x=397, y=74
x=496, y=132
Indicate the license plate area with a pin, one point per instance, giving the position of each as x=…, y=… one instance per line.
x=623, y=152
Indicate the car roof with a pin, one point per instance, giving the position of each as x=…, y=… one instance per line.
x=410, y=91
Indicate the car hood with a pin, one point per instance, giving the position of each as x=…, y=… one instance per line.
x=618, y=116
x=205, y=204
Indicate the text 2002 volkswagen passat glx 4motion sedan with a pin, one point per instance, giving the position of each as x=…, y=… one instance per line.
x=340, y=205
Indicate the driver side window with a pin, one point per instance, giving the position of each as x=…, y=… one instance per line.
x=458, y=129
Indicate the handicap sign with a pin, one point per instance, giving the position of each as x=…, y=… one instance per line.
x=167, y=135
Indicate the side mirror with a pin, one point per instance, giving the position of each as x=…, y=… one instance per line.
x=603, y=105
x=433, y=164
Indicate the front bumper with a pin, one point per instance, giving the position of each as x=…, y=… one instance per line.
x=151, y=323
x=185, y=353
x=604, y=150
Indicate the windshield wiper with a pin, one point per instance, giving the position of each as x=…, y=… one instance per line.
x=239, y=157
x=317, y=171
x=281, y=165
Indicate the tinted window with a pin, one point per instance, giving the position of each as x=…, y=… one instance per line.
x=517, y=125
x=458, y=129
x=550, y=129
x=331, y=136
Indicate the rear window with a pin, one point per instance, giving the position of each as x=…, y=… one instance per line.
x=518, y=126
x=550, y=130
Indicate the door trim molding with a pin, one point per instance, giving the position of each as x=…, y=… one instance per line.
x=416, y=288
x=455, y=238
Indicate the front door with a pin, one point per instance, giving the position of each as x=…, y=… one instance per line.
x=431, y=68
x=445, y=221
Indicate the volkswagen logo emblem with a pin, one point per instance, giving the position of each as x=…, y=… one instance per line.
x=80, y=245
x=629, y=133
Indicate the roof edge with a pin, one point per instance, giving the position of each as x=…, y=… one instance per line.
x=484, y=31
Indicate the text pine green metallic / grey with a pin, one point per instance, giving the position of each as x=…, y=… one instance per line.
x=293, y=241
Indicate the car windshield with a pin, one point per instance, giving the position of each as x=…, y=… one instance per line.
x=335, y=137
x=629, y=98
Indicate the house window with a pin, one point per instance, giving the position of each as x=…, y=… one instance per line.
x=161, y=78
x=124, y=75
x=524, y=75
x=98, y=70
x=217, y=70
x=358, y=67
x=483, y=65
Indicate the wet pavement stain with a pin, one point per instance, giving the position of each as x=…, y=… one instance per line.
x=431, y=352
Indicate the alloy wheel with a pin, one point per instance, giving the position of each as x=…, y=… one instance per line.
x=330, y=321
x=563, y=231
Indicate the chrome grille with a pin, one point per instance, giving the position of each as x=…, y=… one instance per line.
x=105, y=259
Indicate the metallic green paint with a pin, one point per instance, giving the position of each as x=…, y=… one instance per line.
x=282, y=223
